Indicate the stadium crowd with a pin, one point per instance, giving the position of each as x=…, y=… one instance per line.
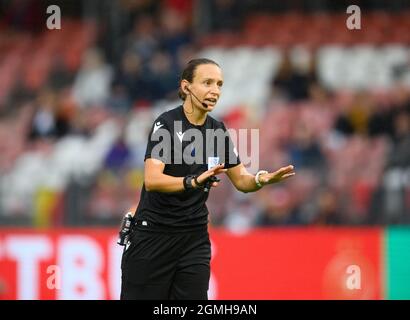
x=76, y=105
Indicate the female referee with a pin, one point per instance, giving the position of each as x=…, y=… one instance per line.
x=168, y=253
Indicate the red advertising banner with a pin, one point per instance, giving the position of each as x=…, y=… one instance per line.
x=300, y=263
x=276, y=263
x=63, y=264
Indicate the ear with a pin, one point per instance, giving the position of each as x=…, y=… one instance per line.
x=185, y=86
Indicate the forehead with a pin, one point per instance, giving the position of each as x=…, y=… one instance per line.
x=208, y=71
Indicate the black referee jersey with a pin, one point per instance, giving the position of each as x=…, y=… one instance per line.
x=185, y=149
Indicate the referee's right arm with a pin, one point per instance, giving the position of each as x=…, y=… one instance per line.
x=156, y=180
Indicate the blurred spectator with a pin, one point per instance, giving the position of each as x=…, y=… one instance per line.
x=137, y=7
x=185, y=54
x=112, y=195
x=92, y=84
x=130, y=84
x=119, y=100
x=390, y=203
x=131, y=80
x=163, y=79
x=226, y=15
x=305, y=190
x=104, y=196
x=136, y=131
x=118, y=157
x=143, y=39
x=241, y=213
x=60, y=76
x=47, y=121
x=296, y=75
x=327, y=208
x=356, y=117
x=174, y=31
x=400, y=153
x=304, y=150
x=379, y=123
x=25, y=15
x=278, y=208
x=401, y=72
x=79, y=125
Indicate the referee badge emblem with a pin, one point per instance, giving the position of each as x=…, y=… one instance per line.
x=212, y=162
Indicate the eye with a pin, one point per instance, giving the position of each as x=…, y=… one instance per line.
x=208, y=82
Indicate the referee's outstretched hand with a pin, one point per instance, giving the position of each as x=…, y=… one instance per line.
x=277, y=176
x=212, y=172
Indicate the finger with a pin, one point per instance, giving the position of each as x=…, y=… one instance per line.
x=286, y=169
x=282, y=171
x=218, y=167
x=214, y=170
x=205, y=175
x=288, y=175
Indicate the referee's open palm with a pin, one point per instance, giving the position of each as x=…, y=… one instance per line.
x=277, y=176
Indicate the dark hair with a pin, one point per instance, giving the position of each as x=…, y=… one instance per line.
x=189, y=72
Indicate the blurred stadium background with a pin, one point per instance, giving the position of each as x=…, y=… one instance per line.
x=76, y=105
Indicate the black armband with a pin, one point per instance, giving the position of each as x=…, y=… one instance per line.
x=188, y=182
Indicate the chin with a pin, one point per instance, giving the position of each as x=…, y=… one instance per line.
x=210, y=108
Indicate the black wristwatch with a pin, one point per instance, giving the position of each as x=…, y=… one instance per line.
x=188, y=182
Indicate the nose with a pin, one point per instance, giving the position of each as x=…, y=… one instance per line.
x=215, y=90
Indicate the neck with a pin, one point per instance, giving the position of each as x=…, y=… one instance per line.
x=194, y=114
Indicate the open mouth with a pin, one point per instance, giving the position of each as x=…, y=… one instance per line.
x=211, y=100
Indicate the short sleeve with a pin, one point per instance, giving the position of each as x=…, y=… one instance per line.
x=159, y=144
x=231, y=153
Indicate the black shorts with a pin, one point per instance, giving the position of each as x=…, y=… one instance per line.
x=160, y=265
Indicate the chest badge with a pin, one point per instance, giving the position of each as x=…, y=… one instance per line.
x=212, y=162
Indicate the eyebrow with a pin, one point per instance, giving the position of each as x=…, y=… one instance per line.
x=206, y=79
